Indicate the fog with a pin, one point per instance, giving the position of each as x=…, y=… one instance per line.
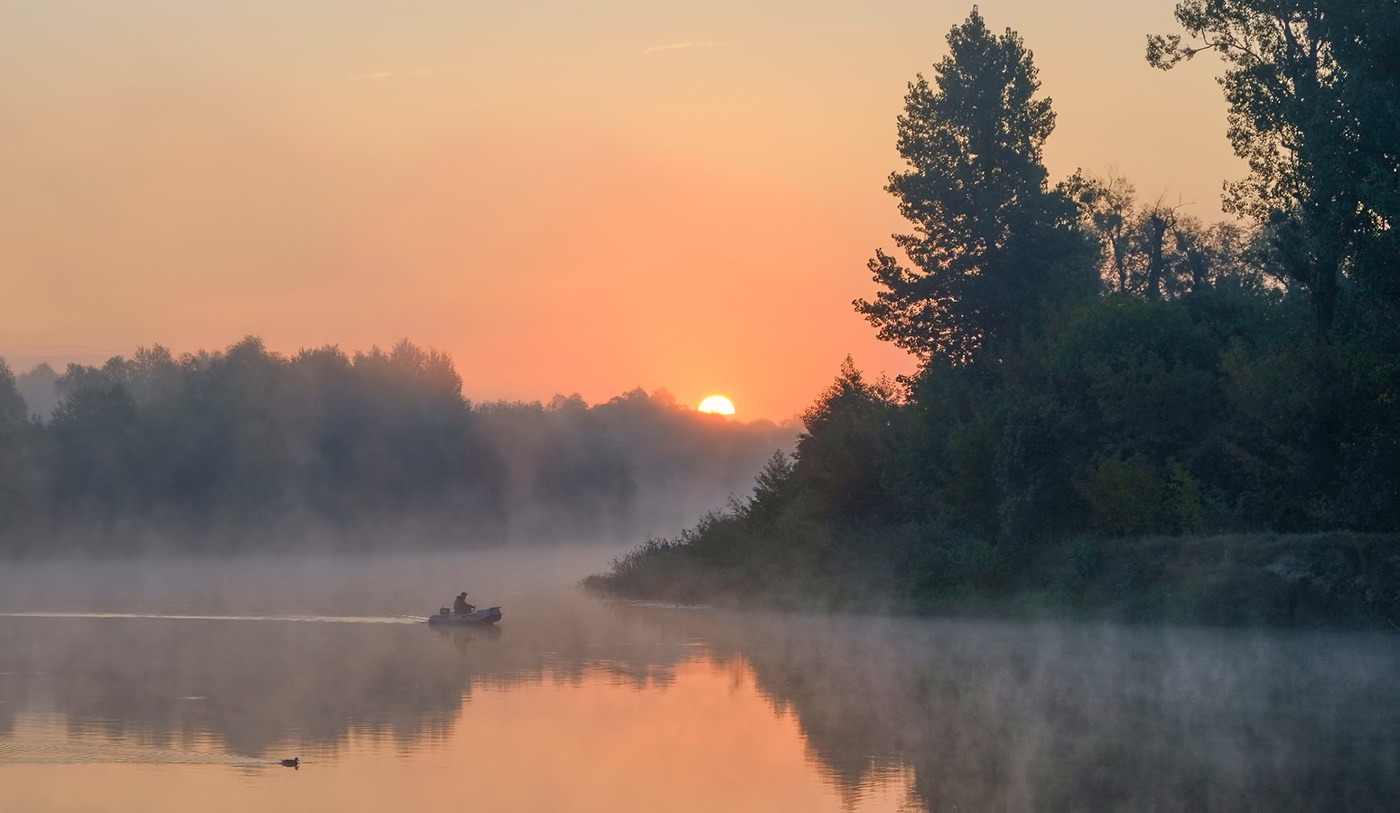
x=302, y=654
x=39, y=390
x=244, y=449
x=411, y=586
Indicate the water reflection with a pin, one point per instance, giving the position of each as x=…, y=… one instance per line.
x=1012, y=716
x=254, y=684
x=963, y=715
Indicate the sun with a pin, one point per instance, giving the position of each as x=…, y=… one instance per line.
x=717, y=404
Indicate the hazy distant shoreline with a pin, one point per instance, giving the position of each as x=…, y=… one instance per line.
x=247, y=449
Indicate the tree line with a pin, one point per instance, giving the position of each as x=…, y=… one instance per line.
x=1093, y=365
x=245, y=448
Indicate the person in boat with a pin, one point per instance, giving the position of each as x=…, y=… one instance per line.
x=461, y=607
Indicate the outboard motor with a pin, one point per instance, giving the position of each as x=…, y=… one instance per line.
x=444, y=611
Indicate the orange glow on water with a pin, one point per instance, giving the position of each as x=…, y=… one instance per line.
x=700, y=738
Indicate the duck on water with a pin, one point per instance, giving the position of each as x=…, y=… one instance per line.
x=465, y=613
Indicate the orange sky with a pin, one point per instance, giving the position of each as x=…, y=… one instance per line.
x=566, y=197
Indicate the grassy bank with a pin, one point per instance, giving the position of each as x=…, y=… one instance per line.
x=1310, y=580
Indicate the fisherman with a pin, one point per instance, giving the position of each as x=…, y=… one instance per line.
x=461, y=607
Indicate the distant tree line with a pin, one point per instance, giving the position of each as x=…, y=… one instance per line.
x=1092, y=365
x=248, y=448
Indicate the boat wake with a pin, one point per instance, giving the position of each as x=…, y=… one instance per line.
x=323, y=619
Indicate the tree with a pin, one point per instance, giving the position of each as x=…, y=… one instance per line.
x=1152, y=250
x=1208, y=255
x=13, y=410
x=97, y=429
x=1366, y=47
x=1108, y=207
x=992, y=246
x=842, y=455
x=1311, y=86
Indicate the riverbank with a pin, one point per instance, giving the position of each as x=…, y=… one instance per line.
x=1348, y=580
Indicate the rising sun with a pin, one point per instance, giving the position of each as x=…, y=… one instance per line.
x=718, y=404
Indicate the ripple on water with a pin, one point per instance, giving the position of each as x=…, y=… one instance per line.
x=67, y=752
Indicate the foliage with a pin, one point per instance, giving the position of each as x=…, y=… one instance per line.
x=1154, y=251
x=243, y=446
x=1311, y=87
x=842, y=456
x=992, y=246
x=1091, y=452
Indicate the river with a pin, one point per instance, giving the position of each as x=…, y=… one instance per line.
x=181, y=685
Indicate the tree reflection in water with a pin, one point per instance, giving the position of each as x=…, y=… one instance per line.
x=981, y=715
x=1044, y=716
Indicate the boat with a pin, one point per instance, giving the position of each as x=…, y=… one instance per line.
x=446, y=617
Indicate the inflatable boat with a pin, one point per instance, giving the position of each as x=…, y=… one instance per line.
x=490, y=615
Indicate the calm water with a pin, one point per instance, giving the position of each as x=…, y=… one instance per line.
x=178, y=686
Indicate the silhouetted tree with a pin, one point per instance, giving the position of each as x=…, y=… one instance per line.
x=842, y=456
x=993, y=247
x=1310, y=84
x=1188, y=399
x=1109, y=208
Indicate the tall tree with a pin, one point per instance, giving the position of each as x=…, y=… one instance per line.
x=992, y=245
x=1311, y=86
x=1366, y=45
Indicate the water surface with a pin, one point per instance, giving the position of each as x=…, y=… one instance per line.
x=180, y=685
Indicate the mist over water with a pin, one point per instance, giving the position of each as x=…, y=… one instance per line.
x=178, y=684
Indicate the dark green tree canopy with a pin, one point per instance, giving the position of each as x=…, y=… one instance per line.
x=1312, y=87
x=991, y=243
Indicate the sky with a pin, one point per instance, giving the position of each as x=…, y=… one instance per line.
x=566, y=197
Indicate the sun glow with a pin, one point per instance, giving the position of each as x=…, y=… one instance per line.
x=717, y=404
